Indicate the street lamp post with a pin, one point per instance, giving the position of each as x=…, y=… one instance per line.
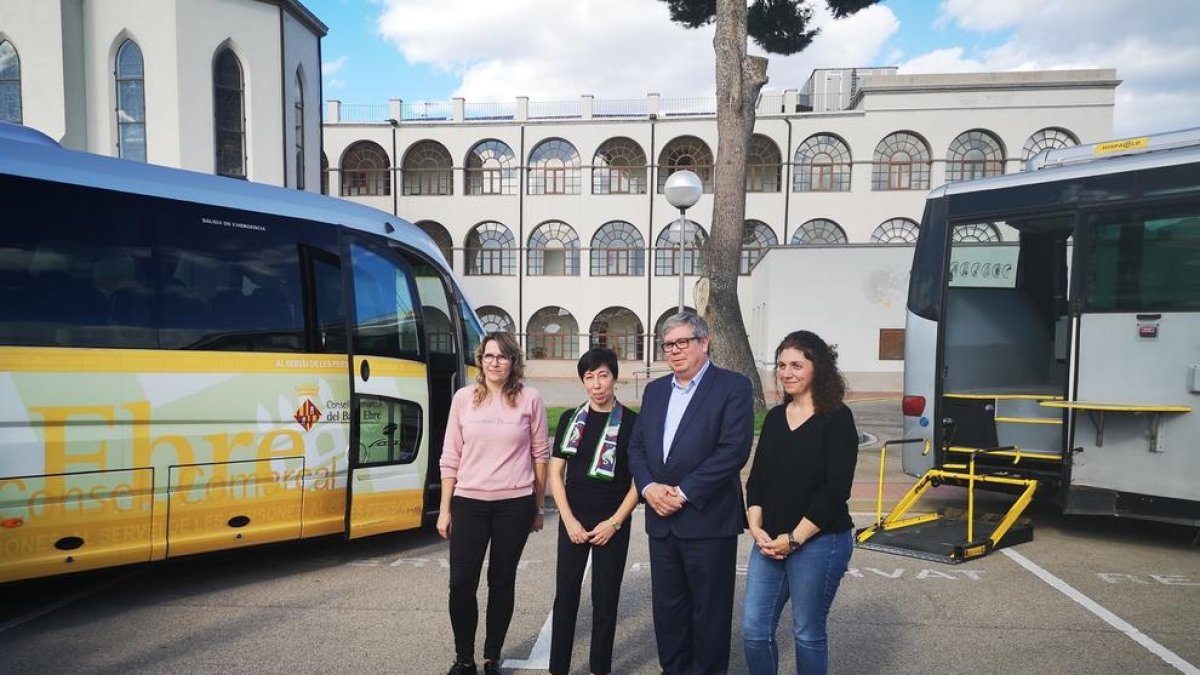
x=683, y=190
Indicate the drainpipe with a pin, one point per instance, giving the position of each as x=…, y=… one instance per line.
x=651, y=189
x=787, y=184
x=521, y=178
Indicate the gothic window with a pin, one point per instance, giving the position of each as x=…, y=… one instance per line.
x=10, y=83
x=620, y=330
x=298, y=122
x=495, y=320
x=229, y=115
x=324, y=173
x=553, y=334
x=131, y=102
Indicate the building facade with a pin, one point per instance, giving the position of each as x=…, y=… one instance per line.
x=553, y=213
x=231, y=87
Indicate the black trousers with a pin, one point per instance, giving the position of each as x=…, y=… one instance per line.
x=691, y=584
x=474, y=523
x=608, y=568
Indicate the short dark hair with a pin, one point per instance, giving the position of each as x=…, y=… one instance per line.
x=597, y=357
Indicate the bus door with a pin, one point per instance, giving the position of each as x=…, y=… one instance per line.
x=443, y=349
x=389, y=398
x=1136, y=414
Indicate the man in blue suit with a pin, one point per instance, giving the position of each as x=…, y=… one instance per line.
x=689, y=444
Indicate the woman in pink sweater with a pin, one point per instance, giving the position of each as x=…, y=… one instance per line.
x=493, y=487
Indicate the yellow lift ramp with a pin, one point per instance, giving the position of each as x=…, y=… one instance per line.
x=954, y=536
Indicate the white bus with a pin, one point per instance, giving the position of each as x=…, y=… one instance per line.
x=1052, y=344
x=1054, y=318
x=191, y=363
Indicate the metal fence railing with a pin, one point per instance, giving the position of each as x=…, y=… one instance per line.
x=363, y=112
x=555, y=109
x=682, y=107
x=489, y=111
x=630, y=107
x=433, y=110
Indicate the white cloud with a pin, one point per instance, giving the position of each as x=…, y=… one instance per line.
x=331, y=67
x=1153, y=46
x=548, y=49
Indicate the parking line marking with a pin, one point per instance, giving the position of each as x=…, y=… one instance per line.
x=1111, y=619
x=75, y=597
x=539, y=656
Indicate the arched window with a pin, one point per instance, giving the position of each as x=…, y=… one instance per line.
x=490, y=169
x=620, y=330
x=757, y=237
x=324, y=173
x=298, y=113
x=657, y=338
x=365, y=171
x=553, y=334
x=901, y=163
x=490, y=251
x=618, y=250
x=896, y=231
x=229, y=115
x=1050, y=138
x=428, y=170
x=619, y=167
x=666, y=250
x=818, y=231
x=822, y=165
x=764, y=165
x=441, y=237
x=686, y=153
x=10, y=83
x=975, y=233
x=495, y=320
x=974, y=154
x=554, y=168
x=553, y=250
x=131, y=102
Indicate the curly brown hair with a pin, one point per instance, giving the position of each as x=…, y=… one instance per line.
x=828, y=385
x=516, y=376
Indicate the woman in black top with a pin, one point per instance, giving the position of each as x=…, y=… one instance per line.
x=796, y=501
x=594, y=500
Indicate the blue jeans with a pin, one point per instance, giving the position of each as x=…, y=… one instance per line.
x=810, y=577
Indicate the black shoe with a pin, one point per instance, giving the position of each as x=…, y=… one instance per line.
x=460, y=668
x=491, y=668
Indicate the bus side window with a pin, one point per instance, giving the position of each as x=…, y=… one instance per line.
x=1145, y=261
x=330, y=319
x=386, y=317
x=472, y=331
x=231, y=281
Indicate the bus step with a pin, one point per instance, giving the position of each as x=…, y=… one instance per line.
x=944, y=539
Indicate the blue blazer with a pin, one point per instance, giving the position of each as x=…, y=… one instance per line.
x=710, y=448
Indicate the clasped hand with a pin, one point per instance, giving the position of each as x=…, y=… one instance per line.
x=664, y=499
x=775, y=548
x=597, y=536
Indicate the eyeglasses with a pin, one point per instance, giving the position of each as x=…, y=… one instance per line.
x=496, y=358
x=677, y=345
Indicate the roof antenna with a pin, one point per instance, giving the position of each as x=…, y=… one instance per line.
x=388, y=227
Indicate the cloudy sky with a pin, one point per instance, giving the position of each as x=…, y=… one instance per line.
x=495, y=50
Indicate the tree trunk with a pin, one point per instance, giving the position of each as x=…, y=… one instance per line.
x=740, y=77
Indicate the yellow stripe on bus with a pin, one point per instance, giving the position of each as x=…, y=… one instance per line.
x=72, y=360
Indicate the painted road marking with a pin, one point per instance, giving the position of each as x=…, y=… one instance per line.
x=1111, y=619
x=539, y=657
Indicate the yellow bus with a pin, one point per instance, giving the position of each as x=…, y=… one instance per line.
x=191, y=363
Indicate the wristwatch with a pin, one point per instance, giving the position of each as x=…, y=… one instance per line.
x=616, y=524
x=792, y=543
x=541, y=510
